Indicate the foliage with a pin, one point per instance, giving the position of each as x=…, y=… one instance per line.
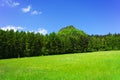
x=67, y=40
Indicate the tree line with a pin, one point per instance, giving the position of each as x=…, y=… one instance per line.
x=14, y=44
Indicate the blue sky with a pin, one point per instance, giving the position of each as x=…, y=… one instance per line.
x=45, y=16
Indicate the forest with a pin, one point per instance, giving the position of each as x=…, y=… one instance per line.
x=16, y=44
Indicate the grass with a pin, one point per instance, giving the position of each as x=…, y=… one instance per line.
x=89, y=66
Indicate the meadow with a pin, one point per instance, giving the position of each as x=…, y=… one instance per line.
x=103, y=65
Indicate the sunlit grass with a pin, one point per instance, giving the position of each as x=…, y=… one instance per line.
x=85, y=66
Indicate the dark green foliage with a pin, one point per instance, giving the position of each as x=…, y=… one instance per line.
x=67, y=40
x=74, y=40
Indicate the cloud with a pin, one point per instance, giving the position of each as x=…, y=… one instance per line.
x=35, y=12
x=16, y=3
x=10, y=3
x=26, y=9
x=11, y=27
x=15, y=28
x=42, y=31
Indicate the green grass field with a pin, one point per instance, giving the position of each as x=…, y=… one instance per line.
x=89, y=66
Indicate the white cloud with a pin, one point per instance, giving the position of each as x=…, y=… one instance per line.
x=16, y=3
x=26, y=9
x=42, y=31
x=10, y=3
x=15, y=28
x=35, y=12
x=11, y=27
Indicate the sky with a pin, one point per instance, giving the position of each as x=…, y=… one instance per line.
x=46, y=16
